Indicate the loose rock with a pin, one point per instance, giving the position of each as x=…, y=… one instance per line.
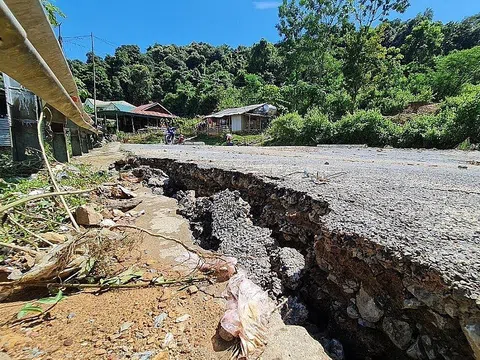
x=87, y=215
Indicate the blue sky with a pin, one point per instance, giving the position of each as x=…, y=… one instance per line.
x=232, y=22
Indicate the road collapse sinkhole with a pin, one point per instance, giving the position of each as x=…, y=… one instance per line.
x=353, y=296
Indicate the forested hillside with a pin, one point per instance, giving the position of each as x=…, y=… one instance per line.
x=334, y=59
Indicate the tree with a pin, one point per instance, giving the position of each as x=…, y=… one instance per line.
x=455, y=70
x=53, y=12
x=424, y=43
x=140, y=84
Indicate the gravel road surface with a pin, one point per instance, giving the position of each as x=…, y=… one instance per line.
x=423, y=204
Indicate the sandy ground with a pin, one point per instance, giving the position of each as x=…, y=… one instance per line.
x=421, y=204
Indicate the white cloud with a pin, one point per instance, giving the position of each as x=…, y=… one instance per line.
x=265, y=5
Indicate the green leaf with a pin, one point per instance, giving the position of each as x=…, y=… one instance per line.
x=52, y=300
x=122, y=278
x=27, y=309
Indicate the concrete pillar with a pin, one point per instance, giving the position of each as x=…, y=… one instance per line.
x=84, y=143
x=59, y=142
x=76, y=142
x=89, y=142
x=24, y=135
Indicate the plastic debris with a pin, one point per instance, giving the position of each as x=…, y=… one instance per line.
x=248, y=312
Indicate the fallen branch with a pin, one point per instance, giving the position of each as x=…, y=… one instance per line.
x=112, y=286
x=19, y=248
x=50, y=172
x=40, y=196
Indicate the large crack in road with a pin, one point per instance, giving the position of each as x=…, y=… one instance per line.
x=383, y=297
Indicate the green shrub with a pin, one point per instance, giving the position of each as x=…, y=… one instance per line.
x=421, y=131
x=465, y=116
x=187, y=127
x=317, y=128
x=366, y=127
x=286, y=129
x=337, y=104
x=455, y=70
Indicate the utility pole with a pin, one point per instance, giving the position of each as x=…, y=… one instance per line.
x=94, y=82
x=60, y=39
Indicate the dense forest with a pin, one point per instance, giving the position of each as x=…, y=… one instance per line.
x=340, y=71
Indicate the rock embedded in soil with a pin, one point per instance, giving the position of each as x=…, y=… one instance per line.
x=367, y=307
x=400, y=332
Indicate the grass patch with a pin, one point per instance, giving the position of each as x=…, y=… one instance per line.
x=46, y=214
x=238, y=139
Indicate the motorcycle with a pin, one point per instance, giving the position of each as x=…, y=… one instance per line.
x=170, y=136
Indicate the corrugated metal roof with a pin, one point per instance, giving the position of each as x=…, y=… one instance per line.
x=32, y=55
x=117, y=105
x=5, y=139
x=235, y=111
x=145, y=110
x=147, y=107
x=124, y=106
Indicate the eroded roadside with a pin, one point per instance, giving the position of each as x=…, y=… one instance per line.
x=377, y=296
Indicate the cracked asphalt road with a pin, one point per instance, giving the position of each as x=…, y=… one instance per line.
x=423, y=204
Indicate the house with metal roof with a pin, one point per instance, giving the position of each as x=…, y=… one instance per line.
x=130, y=118
x=246, y=119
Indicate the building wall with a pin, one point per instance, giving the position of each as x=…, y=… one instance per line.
x=238, y=123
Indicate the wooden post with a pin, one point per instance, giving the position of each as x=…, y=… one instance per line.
x=116, y=118
x=133, y=125
x=249, y=123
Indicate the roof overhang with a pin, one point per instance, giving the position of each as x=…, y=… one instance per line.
x=31, y=55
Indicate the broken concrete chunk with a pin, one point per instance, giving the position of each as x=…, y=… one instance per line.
x=156, y=182
x=107, y=223
x=367, y=307
x=290, y=264
x=291, y=342
x=88, y=216
x=118, y=213
x=158, y=321
x=157, y=191
x=472, y=332
x=400, y=332
x=169, y=341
